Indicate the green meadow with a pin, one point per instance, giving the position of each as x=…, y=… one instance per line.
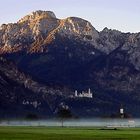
x=71, y=133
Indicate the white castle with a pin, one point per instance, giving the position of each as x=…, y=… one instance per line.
x=84, y=94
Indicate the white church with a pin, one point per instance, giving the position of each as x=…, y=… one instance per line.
x=84, y=94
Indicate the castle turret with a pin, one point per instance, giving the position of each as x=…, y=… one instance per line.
x=89, y=91
x=76, y=93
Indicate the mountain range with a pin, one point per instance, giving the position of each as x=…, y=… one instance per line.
x=45, y=59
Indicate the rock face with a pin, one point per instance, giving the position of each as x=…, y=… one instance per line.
x=71, y=53
x=17, y=100
x=20, y=95
x=34, y=31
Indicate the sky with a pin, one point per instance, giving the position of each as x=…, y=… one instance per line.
x=123, y=15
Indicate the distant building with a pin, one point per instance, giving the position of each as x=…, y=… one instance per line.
x=121, y=112
x=84, y=94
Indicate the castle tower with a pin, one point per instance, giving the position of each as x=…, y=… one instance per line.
x=76, y=93
x=89, y=91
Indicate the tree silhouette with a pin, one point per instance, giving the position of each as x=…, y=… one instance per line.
x=64, y=113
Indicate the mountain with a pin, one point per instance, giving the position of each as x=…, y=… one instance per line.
x=40, y=28
x=16, y=99
x=21, y=96
x=71, y=54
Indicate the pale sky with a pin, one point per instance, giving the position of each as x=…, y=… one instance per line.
x=123, y=15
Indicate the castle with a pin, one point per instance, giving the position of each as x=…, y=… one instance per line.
x=84, y=94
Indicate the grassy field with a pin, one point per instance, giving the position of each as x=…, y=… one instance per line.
x=56, y=133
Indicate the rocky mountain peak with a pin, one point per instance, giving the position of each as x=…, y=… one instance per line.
x=38, y=29
x=78, y=27
x=105, y=29
x=78, y=24
x=38, y=15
